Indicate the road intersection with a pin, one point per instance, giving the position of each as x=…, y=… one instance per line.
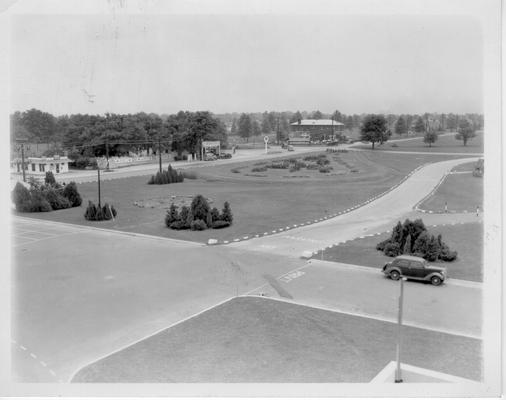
x=98, y=291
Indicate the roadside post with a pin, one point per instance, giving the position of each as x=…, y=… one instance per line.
x=398, y=373
x=266, y=140
x=101, y=163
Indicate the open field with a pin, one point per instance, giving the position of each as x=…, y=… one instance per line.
x=444, y=144
x=462, y=192
x=258, y=204
x=254, y=339
x=466, y=239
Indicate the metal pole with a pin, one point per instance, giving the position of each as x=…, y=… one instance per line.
x=398, y=374
x=159, y=154
x=99, y=203
x=23, y=161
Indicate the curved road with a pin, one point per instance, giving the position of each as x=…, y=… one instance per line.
x=379, y=214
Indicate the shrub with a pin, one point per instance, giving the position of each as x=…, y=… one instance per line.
x=220, y=224
x=198, y=225
x=49, y=179
x=420, y=245
x=381, y=245
x=225, y=155
x=165, y=177
x=71, y=193
x=90, y=212
x=322, y=161
x=312, y=166
x=199, y=207
x=392, y=249
x=55, y=199
x=259, y=169
x=215, y=214
x=172, y=215
x=38, y=202
x=407, y=246
x=325, y=170
x=177, y=225
x=183, y=215
x=21, y=197
x=394, y=145
x=235, y=170
x=433, y=249
x=94, y=213
x=226, y=214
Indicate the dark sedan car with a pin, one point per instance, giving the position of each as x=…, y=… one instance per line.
x=416, y=268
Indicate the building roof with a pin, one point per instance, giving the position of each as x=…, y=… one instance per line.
x=316, y=122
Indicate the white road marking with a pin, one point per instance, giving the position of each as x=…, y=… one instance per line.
x=22, y=348
x=33, y=356
x=43, y=364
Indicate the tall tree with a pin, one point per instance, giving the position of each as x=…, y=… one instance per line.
x=400, y=126
x=465, y=131
x=430, y=137
x=317, y=115
x=337, y=116
x=374, y=129
x=419, y=125
x=244, y=128
x=266, y=123
x=255, y=128
x=296, y=117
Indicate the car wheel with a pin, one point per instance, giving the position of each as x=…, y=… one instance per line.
x=394, y=275
x=436, y=280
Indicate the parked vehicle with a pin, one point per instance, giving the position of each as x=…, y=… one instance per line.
x=416, y=268
x=210, y=157
x=290, y=148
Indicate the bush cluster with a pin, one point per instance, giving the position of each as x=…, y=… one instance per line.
x=47, y=197
x=325, y=169
x=259, y=169
x=413, y=238
x=225, y=156
x=199, y=216
x=315, y=157
x=94, y=213
x=165, y=177
x=81, y=162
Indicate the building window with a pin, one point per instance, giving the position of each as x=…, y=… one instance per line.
x=33, y=167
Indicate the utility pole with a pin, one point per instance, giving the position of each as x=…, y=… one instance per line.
x=107, y=153
x=277, y=132
x=98, y=171
x=159, y=153
x=22, y=142
x=398, y=373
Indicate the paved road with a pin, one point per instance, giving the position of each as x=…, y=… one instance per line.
x=376, y=216
x=454, y=307
x=81, y=293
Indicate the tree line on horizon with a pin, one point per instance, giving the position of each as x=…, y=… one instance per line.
x=113, y=134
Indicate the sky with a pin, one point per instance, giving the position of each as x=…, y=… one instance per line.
x=246, y=63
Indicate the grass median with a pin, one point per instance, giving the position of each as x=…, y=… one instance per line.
x=466, y=239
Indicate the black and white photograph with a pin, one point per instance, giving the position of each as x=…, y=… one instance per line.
x=252, y=199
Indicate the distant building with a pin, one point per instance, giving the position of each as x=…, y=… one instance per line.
x=40, y=165
x=315, y=130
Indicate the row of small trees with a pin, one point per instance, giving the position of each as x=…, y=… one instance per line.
x=374, y=129
x=413, y=238
x=165, y=177
x=199, y=216
x=46, y=197
x=104, y=213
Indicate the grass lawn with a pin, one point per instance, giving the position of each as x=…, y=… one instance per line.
x=251, y=339
x=259, y=204
x=444, y=144
x=465, y=167
x=466, y=239
x=462, y=192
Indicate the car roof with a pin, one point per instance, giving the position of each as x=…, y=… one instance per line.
x=410, y=258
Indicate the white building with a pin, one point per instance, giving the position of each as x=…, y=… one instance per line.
x=40, y=165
